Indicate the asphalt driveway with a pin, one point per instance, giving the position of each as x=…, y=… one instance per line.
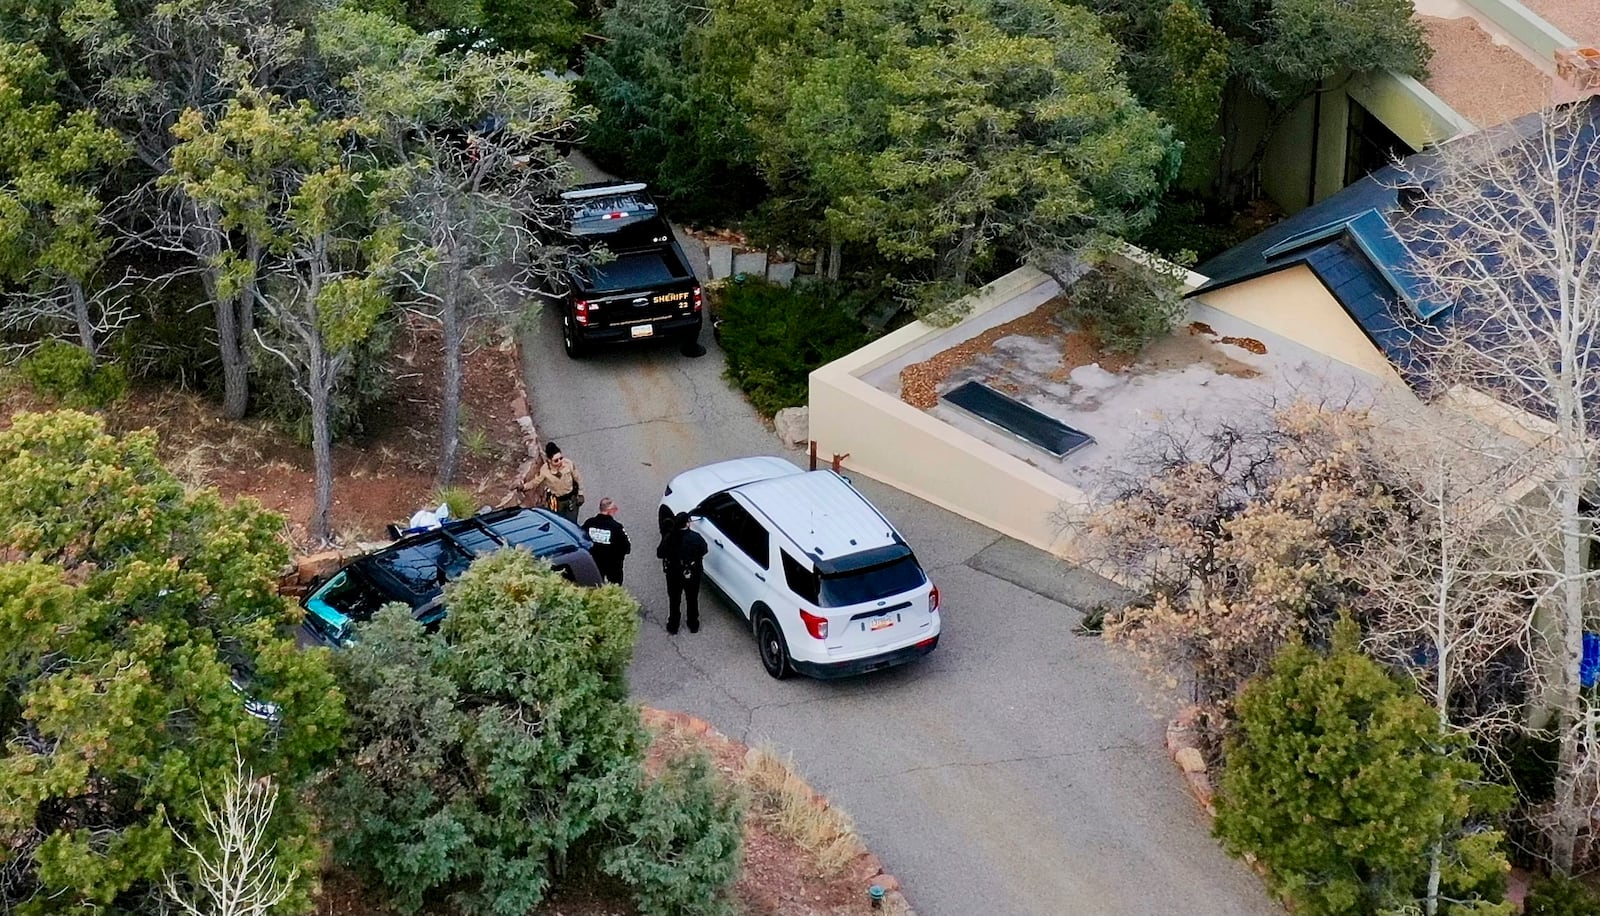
x=1017, y=770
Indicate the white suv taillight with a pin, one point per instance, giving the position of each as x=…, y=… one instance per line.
x=816, y=626
x=933, y=600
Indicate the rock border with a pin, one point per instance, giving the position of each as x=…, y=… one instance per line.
x=1183, y=745
x=894, y=899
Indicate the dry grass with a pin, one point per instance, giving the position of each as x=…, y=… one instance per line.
x=791, y=809
x=195, y=461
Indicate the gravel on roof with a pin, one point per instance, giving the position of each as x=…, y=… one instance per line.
x=1580, y=19
x=1487, y=83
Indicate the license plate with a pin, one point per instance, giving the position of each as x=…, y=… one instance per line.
x=883, y=624
x=642, y=330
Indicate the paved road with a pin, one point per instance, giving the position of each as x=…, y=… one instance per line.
x=1016, y=770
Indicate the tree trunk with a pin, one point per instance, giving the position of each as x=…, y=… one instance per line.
x=235, y=320
x=959, y=259
x=835, y=254
x=1569, y=815
x=80, y=313
x=235, y=358
x=319, y=383
x=450, y=397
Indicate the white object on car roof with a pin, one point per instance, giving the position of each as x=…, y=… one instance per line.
x=610, y=190
x=427, y=519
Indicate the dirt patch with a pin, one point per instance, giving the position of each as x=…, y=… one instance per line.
x=380, y=477
x=1246, y=343
x=1177, y=351
x=1078, y=349
x=920, y=382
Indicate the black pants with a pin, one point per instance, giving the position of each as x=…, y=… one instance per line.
x=689, y=589
x=610, y=569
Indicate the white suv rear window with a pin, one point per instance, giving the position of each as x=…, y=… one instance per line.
x=872, y=583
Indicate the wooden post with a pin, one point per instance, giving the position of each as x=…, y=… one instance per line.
x=838, y=462
x=813, y=454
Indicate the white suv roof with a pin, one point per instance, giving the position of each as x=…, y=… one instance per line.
x=695, y=485
x=819, y=510
x=824, y=515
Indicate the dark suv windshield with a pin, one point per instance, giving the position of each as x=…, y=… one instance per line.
x=872, y=583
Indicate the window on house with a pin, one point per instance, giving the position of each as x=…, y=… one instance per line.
x=1369, y=144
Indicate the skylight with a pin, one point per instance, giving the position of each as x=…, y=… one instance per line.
x=1373, y=235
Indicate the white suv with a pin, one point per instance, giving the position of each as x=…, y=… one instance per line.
x=829, y=586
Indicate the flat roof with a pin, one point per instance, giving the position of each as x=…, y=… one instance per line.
x=1213, y=370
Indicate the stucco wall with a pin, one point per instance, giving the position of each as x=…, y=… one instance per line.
x=1405, y=106
x=893, y=442
x=1293, y=303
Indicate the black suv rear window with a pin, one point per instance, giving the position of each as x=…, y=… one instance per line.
x=872, y=583
x=634, y=271
x=603, y=209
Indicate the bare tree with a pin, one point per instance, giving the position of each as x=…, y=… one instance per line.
x=481, y=132
x=1502, y=228
x=234, y=863
x=1439, y=604
x=93, y=313
x=1245, y=538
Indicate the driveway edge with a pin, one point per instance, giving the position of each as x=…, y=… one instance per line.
x=894, y=900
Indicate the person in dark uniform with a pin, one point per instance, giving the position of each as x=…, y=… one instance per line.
x=682, y=553
x=610, y=541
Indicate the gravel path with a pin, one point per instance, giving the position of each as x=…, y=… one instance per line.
x=1486, y=82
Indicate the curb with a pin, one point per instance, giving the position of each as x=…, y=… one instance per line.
x=894, y=899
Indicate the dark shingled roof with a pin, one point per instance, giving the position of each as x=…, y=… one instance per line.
x=1359, y=268
x=1349, y=241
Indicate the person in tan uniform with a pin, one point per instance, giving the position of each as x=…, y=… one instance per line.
x=560, y=481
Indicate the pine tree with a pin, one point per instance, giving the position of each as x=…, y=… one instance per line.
x=1339, y=783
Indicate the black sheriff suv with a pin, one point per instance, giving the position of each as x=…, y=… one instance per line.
x=626, y=278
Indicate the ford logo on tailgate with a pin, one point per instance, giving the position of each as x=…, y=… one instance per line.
x=670, y=297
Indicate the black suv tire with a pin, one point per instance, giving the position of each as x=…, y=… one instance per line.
x=771, y=645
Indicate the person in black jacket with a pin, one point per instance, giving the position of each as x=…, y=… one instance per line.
x=682, y=553
x=610, y=541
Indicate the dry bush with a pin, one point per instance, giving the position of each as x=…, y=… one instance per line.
x=787, y=805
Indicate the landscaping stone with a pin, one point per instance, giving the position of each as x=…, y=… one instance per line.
x=781, y=272
x=719, y=256
x=1190, y=759
x=793, y=425
x=317, y=565
x=750, y=263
